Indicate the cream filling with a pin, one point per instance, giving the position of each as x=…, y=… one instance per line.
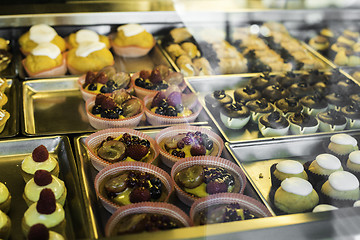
x=86, y=48
x=343, y=181
x=32, y=216
x=4, y=193
x=290, y=167
x=2, y=114
x=354, y=157
x=131, y=29
x=28, y=165
x=42, y=33
x=32, y=190
x=46, y=49
x=324, y=207
x=85, y=35
x=3, y=219
x=328, y=161
x=343, y=139
x=297, y=186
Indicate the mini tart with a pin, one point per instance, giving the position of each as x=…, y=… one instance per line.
x=58, y=70
x=352, y=115
x=302, y=123
x=295, y=195
x=41, y=231
x=130, y=218
x=286, y=169
x=319, y=43
x=246, y=94
x=218, y=98
x=342, y=144
x=331, y=121
x=188, y=195
x=273, y=124
x=82, y=35
x=117, y=169
x=313, y=104
x=4, y=116
x=234, y=115
x=5, y=226
x=341, y=189
x=5, y=198
x=288, y=106
x=258, y=108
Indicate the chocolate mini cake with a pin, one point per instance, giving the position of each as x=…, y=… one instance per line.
x=288, y=105
x=275, y=92
x=302, y=123
x=331, y=120
x=301, y=89
x=234, y=116
x=314, y=104
x=260, y=82
x=246, y=94
x=273, y=124
x=218, y=98
x=352, y=115
x=258, y=108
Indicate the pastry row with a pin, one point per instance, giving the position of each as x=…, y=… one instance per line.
x=4, y=115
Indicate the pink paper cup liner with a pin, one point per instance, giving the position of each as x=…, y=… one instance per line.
x=245, y=202
x=168, y=159
x=157, y=119
x=95, y=139
x=103, y=123
x=126, y=166
x=146, y=207
x=52, y=72
x=234, y=169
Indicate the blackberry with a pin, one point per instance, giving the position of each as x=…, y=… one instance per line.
x=208, y=144
x=118, y=110
x=197, y=133
x=155, y=193
x=160, y=111
x=181, y=154
x=132, y=182
x=190, y=134
x=111, y=114
x=187, y=140
x=92, y=87
x=135, y=139
x=105, y=89
x=96, y=110
x=145, y=143
x=156, y=182
x=170, y=111
x=110, y=83
x=163, y=104
x=140, y=82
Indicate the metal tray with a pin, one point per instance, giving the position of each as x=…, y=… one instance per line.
x=55, y=106
x=229, y=83
x=257, y=158
x=12, y=106
x=97, y=213
x=13, y=152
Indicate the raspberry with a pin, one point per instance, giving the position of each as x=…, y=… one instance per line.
x=40, y=154
x=38, y=232
x=216, y=187
x=101, y=77
x=90, y=78
x=155, y=76
x=42, y=178
x=144, y=74
x=198, y=150
x=137, y=151
x=174, y=99
x=108, y=103
x=140, y=194
x=47, y=202
x=99, y=99
x=159, y=97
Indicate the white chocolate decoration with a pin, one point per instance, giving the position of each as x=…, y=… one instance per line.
x=297, y=186
x=354, y=157
x=2, y=114
x=55, y=236
x=343, y=181
x=290, y=167
x=42, y=33
x=46, y=49
x=343, y=139
x=28, y=165
x=357, y=203
x=32, y=216
x=85, y=35
x=328, y=161
x=32, y=190
x=4, y=193
x=3, y=219
x=324, y=207
x=131, y=29
x=85, y=48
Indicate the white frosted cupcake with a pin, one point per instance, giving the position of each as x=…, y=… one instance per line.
x=324, y=208
x=286, y=169
x=5, y=226
x=357, y=203
x=342, y=144
x=353, y=163
x=5, y=198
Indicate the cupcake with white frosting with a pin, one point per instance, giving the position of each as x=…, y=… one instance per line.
x=5, y=198
x=286, y=169
x=86, y=35
x=295, y=195
x=341, y=189
x=356, y=203
x=353, y=163
x=341, y=145
x=5, y=226
x=324, y=208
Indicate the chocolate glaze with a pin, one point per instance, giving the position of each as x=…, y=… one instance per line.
x=303, y=120
x=288, y=105
x=314, y=102
x=260, y=82
x=275, y=92
x=274, y=120
x=337, y=99
x=301, y=89
x=355, y=98
x=347, y=87
x=332, y=117
x=218, y=98
x=351, y=111
x=246, y=94
x=235, y=110
x=260, y=106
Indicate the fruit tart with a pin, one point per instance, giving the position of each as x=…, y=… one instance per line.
x=107, y=80
x=198, y=177
x=125, y=183
x=119, y=109
x=109, y=146
x=187, y=141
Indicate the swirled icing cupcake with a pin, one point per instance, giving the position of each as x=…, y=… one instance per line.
x=286, y=169
x=352, y=115
x=5, y=198
x=234, y=115
x=288, y=106
x=259, y=107
x=273, y=124
x=314, y=104
x=302, y=123
x=331, y=121
x=218, y=98
x=5, y=226
x=41, y=232
x=39, y=159
x=246, y=94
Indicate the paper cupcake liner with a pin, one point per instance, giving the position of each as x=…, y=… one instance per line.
x=157, y=119
x=313, y=111
x=298, y=130
x=357, y=174
x=325, y=199
x=275, y=182
x=52, y=72
x=168, y=159
x=95, y=139
x=352, y=123
x=131, y=51
x=277, y=211
x=326, y=127
x=245, y=202
x=234, y=123
x=189, y=199
x=125, y=166
x=272, y=132
x=103, y=123
x=314, y=179
x=146, y=207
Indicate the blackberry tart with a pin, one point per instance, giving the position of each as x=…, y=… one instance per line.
x=234, y=115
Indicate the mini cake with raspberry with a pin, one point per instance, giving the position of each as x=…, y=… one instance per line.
x=5, y=198
x=170, y=105
x=41, y=232
x=5, y=226
x=40, y=159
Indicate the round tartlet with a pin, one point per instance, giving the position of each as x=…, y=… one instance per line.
x=331, y=121
x=117, y=168
x=167, y=158
x=5, y=198
x=209, y=162
x=94, y=140
x=273, y=124
x=201, y=207
x=286, y=169
x=122, y=217
x=302, y=123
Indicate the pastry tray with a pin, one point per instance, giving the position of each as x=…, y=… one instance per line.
x=55, y=106
x=12, y=106
x=257, y=158
x=13, y=152
x=96, y=212
x=250, y=132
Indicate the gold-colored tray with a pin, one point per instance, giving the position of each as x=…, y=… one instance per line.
x=12, y=106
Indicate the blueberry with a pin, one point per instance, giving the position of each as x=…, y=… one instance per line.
x=118, y=110
x=110, y=114
x=160, y=111
x=208, y=144
x=156, y=182
x=163, y=104
x=148, y=85
x=145, y=143
x=92, y=87
x=105, y=89
x=162, y=86
x=140, y=82
x=110, y=83
x=96, y=110
x=155, y=193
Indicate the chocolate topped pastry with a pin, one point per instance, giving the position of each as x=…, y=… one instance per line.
x=355, y=98
x=347, y=87
x=301, y=89
x=287, y=105
x=315, y=76
x=260, y=106
x=260, y=82
x=314, y=104
x=303, y=120
x=235, y=110
x=274, y=120
x=336, y=100
x=275, y=92
x=331, y=120
x=287, y=80
x=351, y=111
x=218, y=98
x=319, y=43
x=246, y=94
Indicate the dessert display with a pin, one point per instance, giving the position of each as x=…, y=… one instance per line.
x=5, y=55
x=86, y=35
x=286, y=169
x=5, y=225
x=40, y=33
x=234, y=115
x=273, y=124
x=302, y=123
x=132, y=40
x=5, y=198
x=198, y=177
x=40, y=159
x=126, y=183
x=41, y=232
x=146, y=217
x=43, y=179
x=45, y=60
x=109, y=146
x=45, y=211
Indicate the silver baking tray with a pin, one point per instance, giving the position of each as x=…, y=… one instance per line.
x=12, y=126
x=96, y=212
x=55, y=106
x=13, y=152
x=250, y=132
